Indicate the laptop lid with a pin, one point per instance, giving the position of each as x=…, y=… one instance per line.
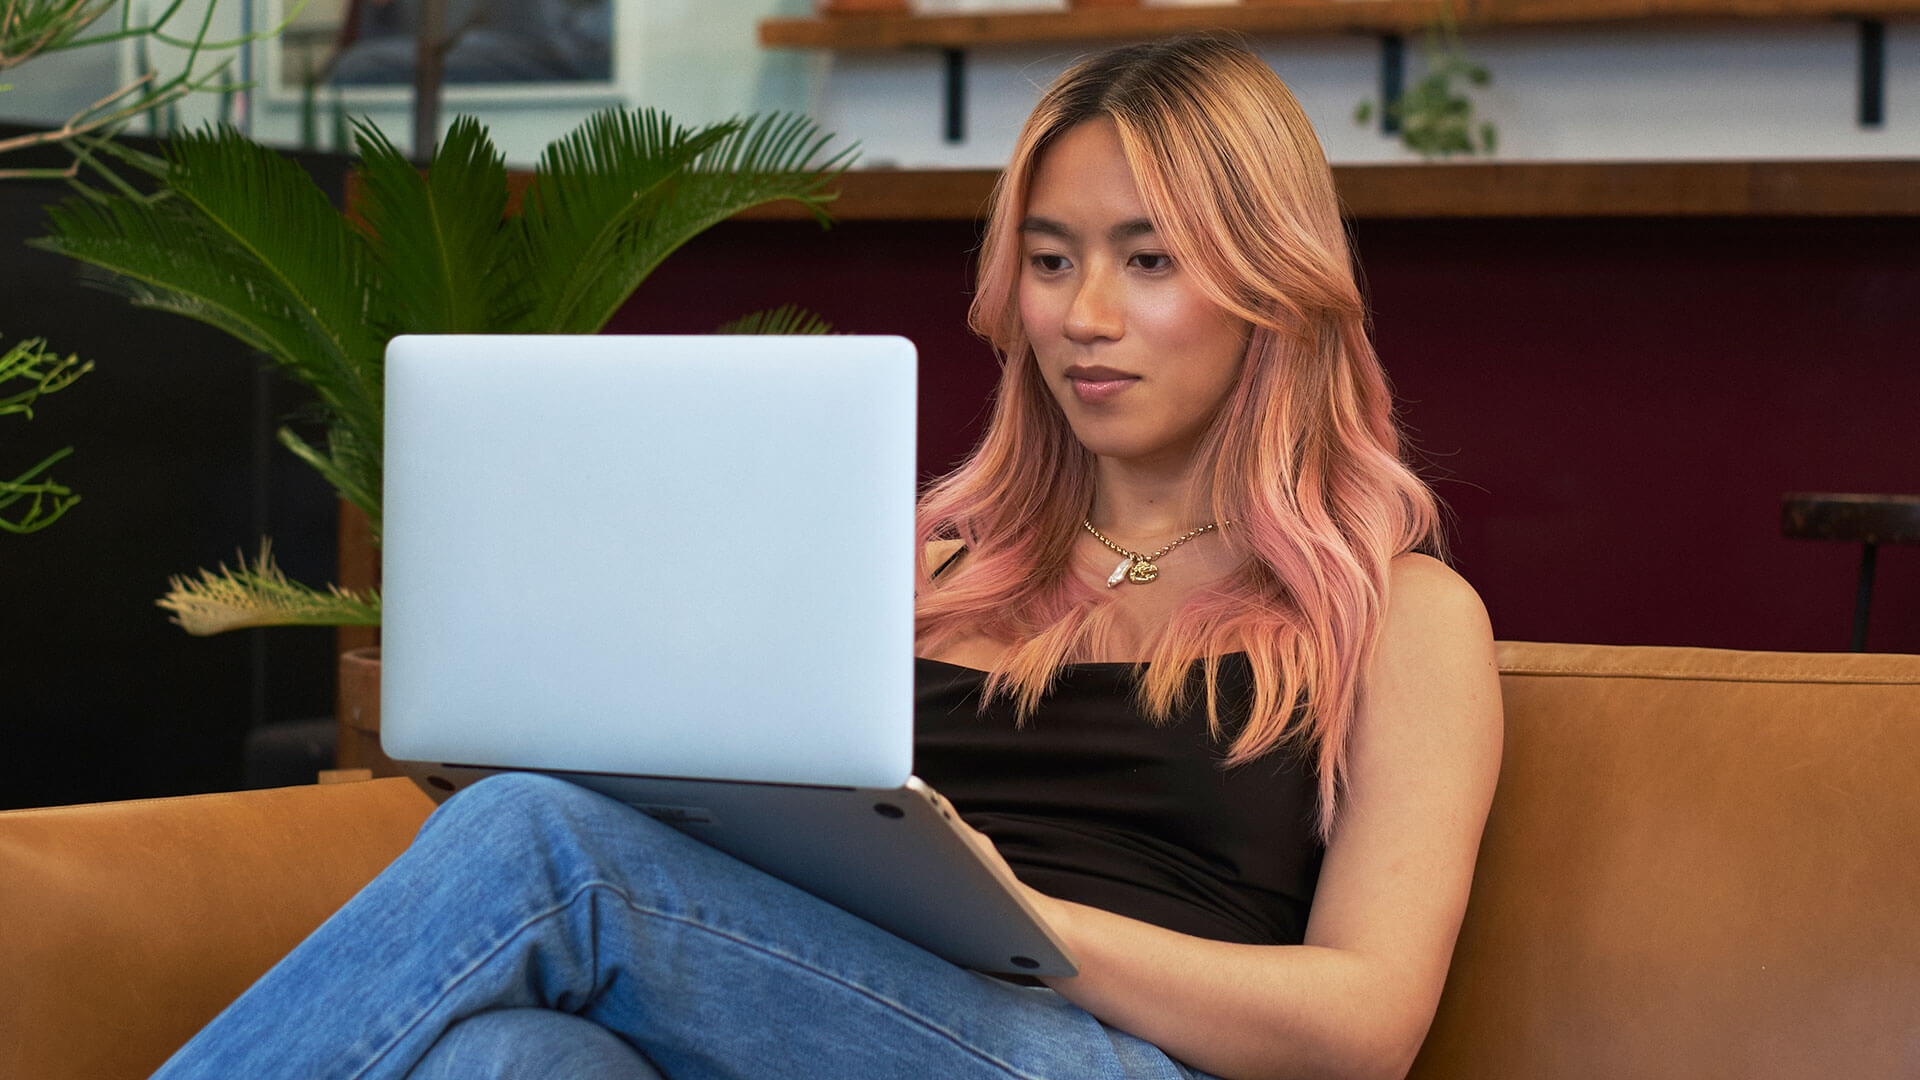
x=717, y=530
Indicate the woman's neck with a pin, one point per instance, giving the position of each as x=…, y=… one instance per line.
x=1150, y=503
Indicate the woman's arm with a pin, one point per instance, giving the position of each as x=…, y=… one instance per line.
x=1356, y=999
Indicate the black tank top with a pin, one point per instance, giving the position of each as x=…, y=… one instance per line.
x=1092, y=802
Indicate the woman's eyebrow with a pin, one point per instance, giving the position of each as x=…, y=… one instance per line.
x=1045, y=226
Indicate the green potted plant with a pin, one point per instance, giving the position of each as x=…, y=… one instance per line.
x=241, y=238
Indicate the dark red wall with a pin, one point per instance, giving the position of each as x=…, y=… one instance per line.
x=1611, y=408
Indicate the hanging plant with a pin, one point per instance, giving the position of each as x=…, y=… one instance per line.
x=1435, y=115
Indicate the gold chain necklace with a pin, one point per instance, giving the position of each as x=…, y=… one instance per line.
x=1139, y=568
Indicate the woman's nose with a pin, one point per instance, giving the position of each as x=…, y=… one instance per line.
x=1096, y=311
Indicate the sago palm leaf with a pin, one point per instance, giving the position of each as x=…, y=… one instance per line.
x=243, y=240
x=261, y=595
x=350, y=466
x=776, y=157
x=616, y=197
x=592, y=192
x=440, y=242
x=269, y=208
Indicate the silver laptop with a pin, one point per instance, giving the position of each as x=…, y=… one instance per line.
x=679, y=571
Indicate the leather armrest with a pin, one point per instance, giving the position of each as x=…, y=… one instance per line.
x=1699, y=862
x=125, y=927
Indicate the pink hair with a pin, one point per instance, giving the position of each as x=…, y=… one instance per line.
x=1307, y=454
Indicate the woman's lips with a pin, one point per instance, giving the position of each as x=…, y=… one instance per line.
x=1093, y=385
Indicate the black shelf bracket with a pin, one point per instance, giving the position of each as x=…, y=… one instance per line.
x=1873, y=73
x=1393, y=81
x=953, y=95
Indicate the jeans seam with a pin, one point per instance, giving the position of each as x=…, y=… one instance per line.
x=625, y=898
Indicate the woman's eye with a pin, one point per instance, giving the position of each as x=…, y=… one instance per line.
x=1050, y=264
x=1153, y=261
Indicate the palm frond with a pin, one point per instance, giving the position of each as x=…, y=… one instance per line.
x=774, y=158
x=348, y=464
x=785, y=319
x=441, y=241
x=261, y=595
x=268, y=207
x=243, y=240
x=752, y=162
x=593, y=191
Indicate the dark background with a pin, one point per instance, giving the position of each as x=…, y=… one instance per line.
x=1612, y=408
x=100, y=696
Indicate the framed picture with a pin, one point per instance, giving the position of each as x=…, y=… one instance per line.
x=498, y=50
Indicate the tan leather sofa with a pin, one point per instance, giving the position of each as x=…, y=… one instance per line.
x=1700, y=864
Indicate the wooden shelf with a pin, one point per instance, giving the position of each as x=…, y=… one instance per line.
x=1481, y=190
x=1284, y=17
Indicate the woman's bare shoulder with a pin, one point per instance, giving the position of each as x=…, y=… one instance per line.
x=1435, y=663
x=1434, y=667
x=1422, y=588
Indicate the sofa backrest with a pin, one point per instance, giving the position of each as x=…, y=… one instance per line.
x=1699, y=863
x=125, y=927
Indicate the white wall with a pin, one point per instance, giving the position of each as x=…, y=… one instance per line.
x=1623, y=94
x=1735, y=91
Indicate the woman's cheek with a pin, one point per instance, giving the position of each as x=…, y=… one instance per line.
x=1033, y=312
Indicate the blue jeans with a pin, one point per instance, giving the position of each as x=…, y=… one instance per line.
x=528, y=905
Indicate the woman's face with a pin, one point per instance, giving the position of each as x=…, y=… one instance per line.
x=1138, y=357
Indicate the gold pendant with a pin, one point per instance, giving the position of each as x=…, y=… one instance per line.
x=1142, y=572
x=1119, y=573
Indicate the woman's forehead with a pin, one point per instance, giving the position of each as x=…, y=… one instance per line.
x=1083, y=186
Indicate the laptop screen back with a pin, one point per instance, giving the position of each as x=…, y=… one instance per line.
x=665, y=556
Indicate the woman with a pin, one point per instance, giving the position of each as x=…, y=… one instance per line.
x=1182, y=666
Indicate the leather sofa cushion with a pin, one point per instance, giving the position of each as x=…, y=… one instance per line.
x=125, y=927
x=1699, y=863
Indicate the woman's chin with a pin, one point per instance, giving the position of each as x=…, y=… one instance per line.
x=1102, y=441
x=1137, y=451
